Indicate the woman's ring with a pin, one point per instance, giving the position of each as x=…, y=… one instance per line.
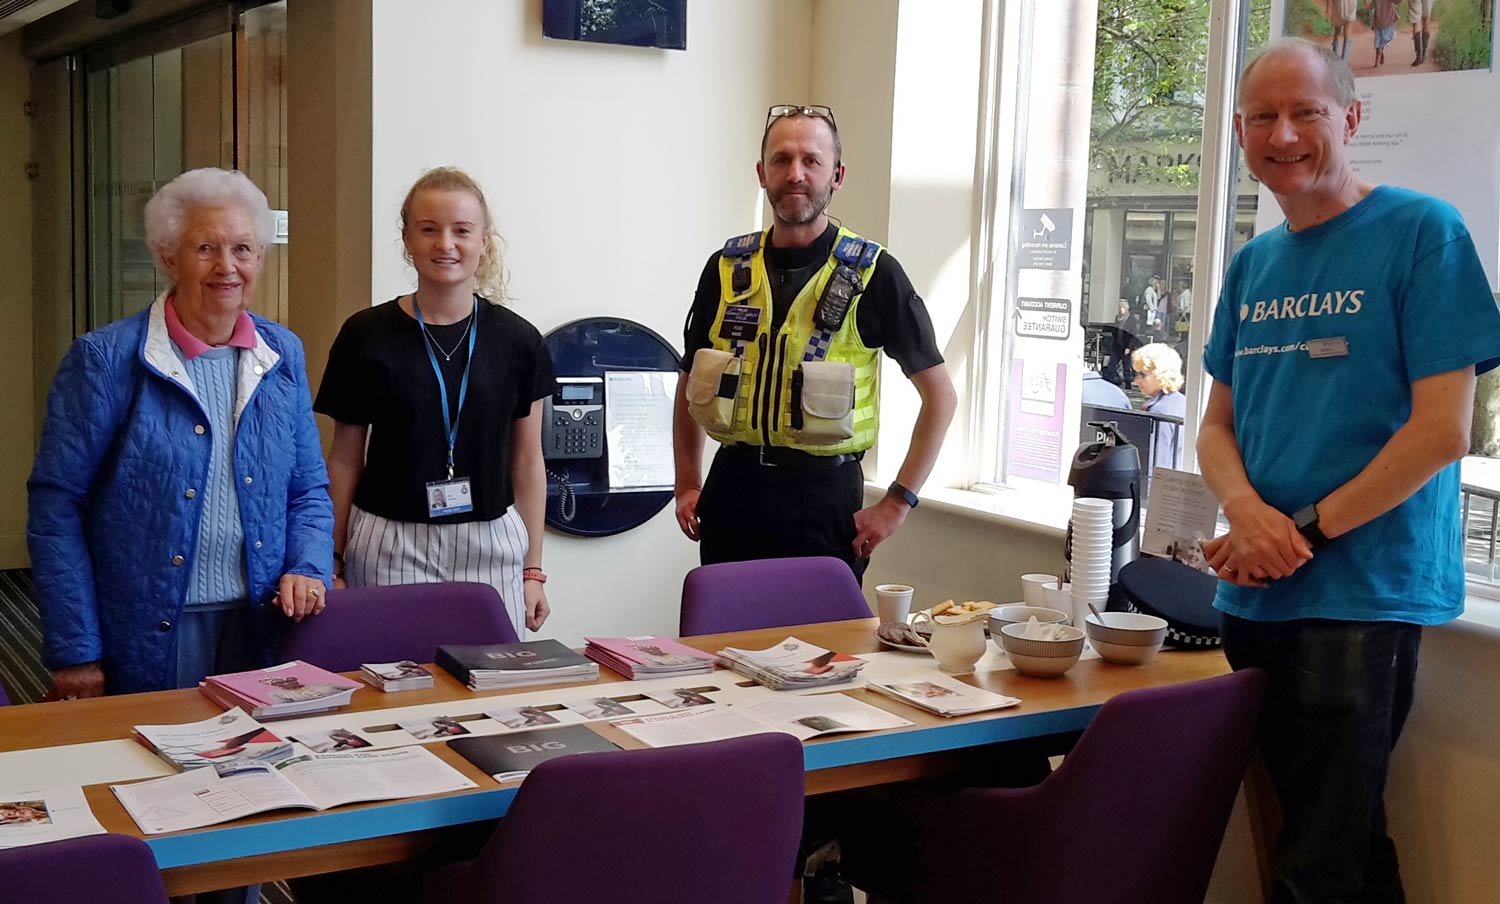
x=314, y=592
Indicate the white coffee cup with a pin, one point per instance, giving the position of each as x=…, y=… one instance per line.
x=1032, y=588
x=893, y=602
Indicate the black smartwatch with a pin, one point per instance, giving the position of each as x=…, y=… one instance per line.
x=902, y=493
x=1306, y=520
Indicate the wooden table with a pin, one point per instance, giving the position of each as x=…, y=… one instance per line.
x=288, y=844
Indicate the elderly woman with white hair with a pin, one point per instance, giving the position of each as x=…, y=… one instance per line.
x=179, y=503
x=1158, y=375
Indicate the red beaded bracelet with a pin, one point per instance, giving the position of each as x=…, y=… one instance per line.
x=534, y=574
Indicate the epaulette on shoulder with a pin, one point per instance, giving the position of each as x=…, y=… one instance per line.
x=741, y=245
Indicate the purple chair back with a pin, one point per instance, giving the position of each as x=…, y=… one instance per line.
x=389, y=624
x=4, y=700
x=1135, y=812
x=99, y=869
x=769, y=593
x=703, y=822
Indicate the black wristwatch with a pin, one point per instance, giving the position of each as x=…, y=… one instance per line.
x=902, y=493
x=1306, y=520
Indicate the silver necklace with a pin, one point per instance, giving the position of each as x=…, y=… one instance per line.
x=447, y=355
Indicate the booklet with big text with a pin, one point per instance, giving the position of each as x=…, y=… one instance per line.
x=317, y=781
x=510, y=757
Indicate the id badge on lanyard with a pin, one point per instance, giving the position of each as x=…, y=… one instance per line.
x=452, y=496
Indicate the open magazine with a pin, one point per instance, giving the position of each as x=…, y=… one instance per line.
x=801, y=717
x=942, y=695
x=230, y=737
x=318, y=781
x=792, y=665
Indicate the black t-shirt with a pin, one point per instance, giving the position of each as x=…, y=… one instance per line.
x=379, y=375
x=890, y=315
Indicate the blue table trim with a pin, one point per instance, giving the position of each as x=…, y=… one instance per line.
x=343, y=825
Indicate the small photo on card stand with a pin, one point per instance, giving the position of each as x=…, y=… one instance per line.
x=600, y=708
x=436, y=727
x=523, y=717
x=678, y=698
x=330, y=741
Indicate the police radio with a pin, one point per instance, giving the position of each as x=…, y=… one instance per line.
x=833, y=306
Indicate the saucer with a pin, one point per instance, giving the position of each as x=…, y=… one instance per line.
x=903, y=647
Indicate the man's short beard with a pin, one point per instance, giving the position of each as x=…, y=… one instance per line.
x=816, y=204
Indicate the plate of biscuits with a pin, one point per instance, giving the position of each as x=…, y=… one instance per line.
x=901, y=637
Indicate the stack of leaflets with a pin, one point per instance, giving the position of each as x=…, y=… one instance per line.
x=792, y=665
x=317, y=781
x=648, y=656
x=396, y=676
x=501, y=665
x=942, y=695
x=509, y=757
x=803, y=718
x=231, y=737
x=290, y=689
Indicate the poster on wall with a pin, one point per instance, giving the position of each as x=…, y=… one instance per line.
x=1044, y=239
x=1419, y=79
x=1038, y=399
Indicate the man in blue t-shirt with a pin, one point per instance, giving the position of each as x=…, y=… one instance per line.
x=1343, y=353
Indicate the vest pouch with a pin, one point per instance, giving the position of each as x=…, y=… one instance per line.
x=823, y=402
x=713, y=387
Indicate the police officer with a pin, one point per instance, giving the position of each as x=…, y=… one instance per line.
x=783, y=351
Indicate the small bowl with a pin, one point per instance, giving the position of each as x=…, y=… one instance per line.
x=1018, y=614
x=1042, y=666
x=1124, y=654
x=1131, y=629
x=1042, y=658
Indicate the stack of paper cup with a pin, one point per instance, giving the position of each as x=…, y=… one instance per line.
x=1093, y=547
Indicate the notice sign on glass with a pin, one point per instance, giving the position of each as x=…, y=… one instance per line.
x=1044, y=318
x=1044, y=239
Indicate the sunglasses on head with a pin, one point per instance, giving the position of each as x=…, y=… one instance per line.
x=779, y=110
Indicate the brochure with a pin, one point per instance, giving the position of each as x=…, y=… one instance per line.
x=318, y=781
x=230, y=737
x=395, y=676
x=943, y=695
x=49, y=814
x=1181, y=513
x=503, y=665
x=510, y=757
x=648, y=655
x=522, y=717
x=599, y=708
x=801, y=717
x=434, y=727
x=329, y=741
x=792, y=665
x=679, y=698
x=290, y=689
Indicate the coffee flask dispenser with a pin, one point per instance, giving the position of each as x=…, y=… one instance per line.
x=1110, y=468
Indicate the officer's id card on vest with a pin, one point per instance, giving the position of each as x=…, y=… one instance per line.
x=739, y=323
x=449, y=497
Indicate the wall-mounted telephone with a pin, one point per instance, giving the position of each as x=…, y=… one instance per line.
x=573, y=419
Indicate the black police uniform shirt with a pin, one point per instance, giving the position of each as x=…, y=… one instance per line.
x=890, y=315
x=379, y=376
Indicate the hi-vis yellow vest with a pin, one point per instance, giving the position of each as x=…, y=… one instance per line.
x=769, y=361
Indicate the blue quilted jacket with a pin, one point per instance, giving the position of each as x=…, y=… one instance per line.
x=111, y=526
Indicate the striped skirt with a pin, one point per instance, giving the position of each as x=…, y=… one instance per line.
x=381, y=552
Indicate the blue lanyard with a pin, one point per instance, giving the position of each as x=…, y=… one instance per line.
x=450, y=422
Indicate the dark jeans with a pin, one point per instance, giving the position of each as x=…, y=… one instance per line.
x=750, y=511
x=1339, y=695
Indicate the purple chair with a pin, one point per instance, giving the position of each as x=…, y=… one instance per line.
x=389, y=624
x=1135, y=813
x=769, y=593
x=703, y=822
x=4, y=700
x=99, y=869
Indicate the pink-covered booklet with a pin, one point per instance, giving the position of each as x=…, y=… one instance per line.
x=288, y=689
x=646, y=655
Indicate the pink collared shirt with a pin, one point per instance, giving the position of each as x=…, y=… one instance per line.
x=242, y=337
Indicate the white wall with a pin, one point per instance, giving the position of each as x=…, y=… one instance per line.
x=613, y=172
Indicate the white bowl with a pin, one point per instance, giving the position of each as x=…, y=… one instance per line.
x=1042, y=666
x=1124, y=654
x=1133, y=629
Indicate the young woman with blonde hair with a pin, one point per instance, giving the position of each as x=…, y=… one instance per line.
x=446, y=385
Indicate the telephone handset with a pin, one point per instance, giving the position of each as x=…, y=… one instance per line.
x=573, y=418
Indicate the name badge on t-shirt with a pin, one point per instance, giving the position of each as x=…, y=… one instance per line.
x=449, y=497
x=740, y=322
x=1332, y=347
